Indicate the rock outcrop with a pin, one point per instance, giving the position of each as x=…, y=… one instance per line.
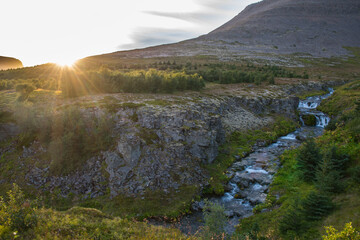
x=162, y=147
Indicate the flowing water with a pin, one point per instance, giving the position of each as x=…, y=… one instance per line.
x=250, y=177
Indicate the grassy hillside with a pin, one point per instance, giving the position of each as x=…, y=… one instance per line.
x=24, y=219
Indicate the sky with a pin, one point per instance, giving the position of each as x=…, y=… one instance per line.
x=62, y=31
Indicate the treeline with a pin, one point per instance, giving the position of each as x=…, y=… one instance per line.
x=140, y=81
x=248, y=74
x=76, y=82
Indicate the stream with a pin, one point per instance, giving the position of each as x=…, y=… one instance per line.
x=251, y=176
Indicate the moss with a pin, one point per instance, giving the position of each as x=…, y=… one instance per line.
x=312, y=94
x=152, y=204
x=148, y=135
x=134, y=117
x=159, y=102
x=6, y=117
x=309, y=120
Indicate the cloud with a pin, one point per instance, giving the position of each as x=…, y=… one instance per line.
x=194, y=17
x=144, y=37
x=209, y=15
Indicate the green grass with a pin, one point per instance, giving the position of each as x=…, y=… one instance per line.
x=312, y=94
x=87, y=223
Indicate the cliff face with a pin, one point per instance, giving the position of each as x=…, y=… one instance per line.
x=8, y=63
x=159, y=142
x=162, y=147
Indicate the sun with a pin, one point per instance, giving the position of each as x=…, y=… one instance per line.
x=65, y=61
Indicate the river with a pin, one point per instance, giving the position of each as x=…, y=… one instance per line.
x=251, y=176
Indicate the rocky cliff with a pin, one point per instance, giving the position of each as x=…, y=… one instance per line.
x=161, y=144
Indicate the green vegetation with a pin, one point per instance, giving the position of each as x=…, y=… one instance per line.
x=71, y=137
x=22, y=219
x=240, y=144
x=157, y=204
x=312, y=94
x=309, y=120
x=226, y=74
x=140, y=81
x=349, y=232
x=215, y=221
x=317, y=184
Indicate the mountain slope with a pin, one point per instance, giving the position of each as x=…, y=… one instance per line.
x=268, y=29
x=8, y=62
x=317, y=27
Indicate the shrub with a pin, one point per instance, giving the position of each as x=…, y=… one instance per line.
x=24, y=90
x=16, y=214
x=215, y=219
x=349, y=232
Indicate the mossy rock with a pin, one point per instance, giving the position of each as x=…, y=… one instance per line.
x=309, y=120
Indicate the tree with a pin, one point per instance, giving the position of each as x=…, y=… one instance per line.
x=308, y=159
x=316, y=206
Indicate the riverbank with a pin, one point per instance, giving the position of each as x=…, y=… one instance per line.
x=335, y=195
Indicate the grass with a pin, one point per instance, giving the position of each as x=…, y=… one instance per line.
x=86, y=223
x=154, y=204
x=312, y=94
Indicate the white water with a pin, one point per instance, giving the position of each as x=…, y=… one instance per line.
x=308, y=106
x=252, y=170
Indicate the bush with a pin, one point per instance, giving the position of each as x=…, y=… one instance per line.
x=16, y=214
x=24, y=90
x=348, y=233
x=215, y=219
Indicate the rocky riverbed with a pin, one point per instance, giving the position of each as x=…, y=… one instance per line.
x=250, y=177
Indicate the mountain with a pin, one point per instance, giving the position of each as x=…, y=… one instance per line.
x=8, y=62
x=318, y=28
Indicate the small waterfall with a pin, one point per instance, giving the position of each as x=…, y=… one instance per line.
x=322, y=120
x=308, y=106
x=229, y=196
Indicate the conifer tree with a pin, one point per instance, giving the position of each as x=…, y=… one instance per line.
x=316, y=206
x=308, y=159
